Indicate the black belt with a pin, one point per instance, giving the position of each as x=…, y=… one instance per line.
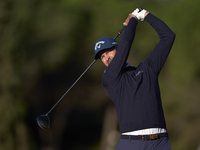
x=144, y=137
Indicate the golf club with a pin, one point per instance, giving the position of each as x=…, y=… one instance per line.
x=43, y=120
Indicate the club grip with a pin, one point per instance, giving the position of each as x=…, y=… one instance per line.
x=140, y=9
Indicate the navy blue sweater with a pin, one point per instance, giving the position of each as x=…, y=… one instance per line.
x=135, y=90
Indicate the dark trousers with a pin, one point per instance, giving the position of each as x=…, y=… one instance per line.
x=158, y=144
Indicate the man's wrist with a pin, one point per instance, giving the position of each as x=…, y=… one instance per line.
x=146, y=14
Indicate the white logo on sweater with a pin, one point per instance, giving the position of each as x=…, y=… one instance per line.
x=139, y=72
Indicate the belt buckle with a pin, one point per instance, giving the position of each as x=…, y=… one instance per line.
x=142, y=137
x=153, y=136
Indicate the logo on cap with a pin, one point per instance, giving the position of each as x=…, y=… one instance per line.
x=98, y=44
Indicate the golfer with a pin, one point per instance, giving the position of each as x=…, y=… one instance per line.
x=135, y=90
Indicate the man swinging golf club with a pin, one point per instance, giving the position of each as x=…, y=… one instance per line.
x=135, y=90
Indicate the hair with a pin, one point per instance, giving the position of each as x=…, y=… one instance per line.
x=104, y=50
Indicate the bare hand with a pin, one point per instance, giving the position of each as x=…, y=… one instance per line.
x=128, y=19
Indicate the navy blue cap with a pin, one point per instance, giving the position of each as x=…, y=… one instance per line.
x=102, y=44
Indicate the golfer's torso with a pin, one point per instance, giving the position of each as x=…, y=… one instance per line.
x=136, y=95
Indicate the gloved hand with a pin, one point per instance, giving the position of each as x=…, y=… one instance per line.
x=139, y=14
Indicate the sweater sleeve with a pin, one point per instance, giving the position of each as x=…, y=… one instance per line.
x=161, y=51
x=115, y=68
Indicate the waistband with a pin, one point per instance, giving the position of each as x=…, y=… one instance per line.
x=146, y=131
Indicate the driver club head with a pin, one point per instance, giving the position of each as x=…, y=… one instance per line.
x=43, y=121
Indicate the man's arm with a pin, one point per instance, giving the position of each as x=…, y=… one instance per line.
x=114, y=69
x=161, y=51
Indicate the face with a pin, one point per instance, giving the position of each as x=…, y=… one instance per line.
x=107, y=56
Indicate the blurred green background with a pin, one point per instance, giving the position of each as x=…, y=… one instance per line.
x=46, y=45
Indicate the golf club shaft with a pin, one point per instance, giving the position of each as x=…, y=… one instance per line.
x=120, y=32
x=71, y=87
x=80, y=77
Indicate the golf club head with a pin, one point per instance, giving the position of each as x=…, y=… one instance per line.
x=43, y=121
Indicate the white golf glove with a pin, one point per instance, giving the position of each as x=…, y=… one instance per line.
x=139, y=14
